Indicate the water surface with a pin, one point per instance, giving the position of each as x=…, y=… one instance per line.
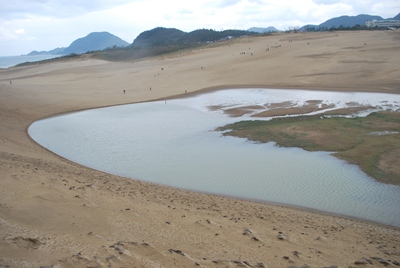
x=173, y=143
x=9, y=61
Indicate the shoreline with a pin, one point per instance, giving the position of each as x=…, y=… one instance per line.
x=279, y=204
x=205, y=91
x=311, y=88
x=56, y=212
x=213, y=89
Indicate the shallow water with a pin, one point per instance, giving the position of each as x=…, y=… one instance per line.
x=174, y=144
x=9, y=61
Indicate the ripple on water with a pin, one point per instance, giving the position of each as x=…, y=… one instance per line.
x=174, y=145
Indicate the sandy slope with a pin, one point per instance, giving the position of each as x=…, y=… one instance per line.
x=55, y=212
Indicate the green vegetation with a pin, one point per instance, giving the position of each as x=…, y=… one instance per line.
x=121, y=53
x=356, y=27
x=156, y=42
x=170, y=36
x=370, y=142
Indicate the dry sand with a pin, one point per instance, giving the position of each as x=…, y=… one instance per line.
x=56, y=213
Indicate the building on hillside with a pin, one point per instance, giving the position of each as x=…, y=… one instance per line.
x=383, y=23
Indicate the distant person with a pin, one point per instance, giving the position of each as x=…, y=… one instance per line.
x=10, y=82
x=124, y=91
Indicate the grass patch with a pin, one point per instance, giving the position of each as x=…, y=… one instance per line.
x=370, y=142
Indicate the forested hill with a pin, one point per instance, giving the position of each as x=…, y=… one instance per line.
x=170, y=36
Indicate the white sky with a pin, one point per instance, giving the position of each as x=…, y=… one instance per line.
x=27, y=25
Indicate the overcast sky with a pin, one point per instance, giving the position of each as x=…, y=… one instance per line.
x=27, y=25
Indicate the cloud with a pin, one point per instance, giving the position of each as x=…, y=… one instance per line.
x=47, y=24
x=185, y=11
x=23, y=9
x=326, y=2
x=227, y=3
x=19, y=34
x=20, y=31
x=384, y=8
x=6, y=34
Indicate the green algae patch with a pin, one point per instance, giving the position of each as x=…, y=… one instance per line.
x=372, y=142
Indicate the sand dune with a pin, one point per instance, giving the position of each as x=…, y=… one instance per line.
x=56, y=213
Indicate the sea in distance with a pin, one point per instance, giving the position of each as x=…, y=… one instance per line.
x=174, y=142
x=10, y=61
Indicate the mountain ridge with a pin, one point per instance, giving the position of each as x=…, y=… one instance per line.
x=263, y=30
x=94, y=41
x=91, y=42
x=345, y=21
x=160, y=36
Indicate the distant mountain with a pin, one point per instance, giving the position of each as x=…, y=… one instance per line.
x=263, y=30
x=308, y=27
x=94, y=41
x=342, y=21
x=158, y=37
x=56, y=51
x=397, y=17
x=208, y=35
x=170, y=36
x=349, y=21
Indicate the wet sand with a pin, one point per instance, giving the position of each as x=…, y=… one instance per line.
x=56, y=212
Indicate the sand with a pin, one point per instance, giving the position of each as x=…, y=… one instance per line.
x=55, y=213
